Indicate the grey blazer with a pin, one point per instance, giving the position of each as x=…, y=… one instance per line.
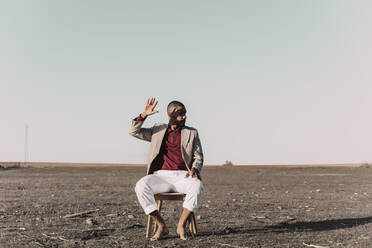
x=190, y=143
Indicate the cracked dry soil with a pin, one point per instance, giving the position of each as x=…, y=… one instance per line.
x=241, y=207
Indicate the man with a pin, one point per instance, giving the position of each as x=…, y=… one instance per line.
x=174, y=164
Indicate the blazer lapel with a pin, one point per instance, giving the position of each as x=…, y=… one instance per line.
x=185, y=135
x=159, y=139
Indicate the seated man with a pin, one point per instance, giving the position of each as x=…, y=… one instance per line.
x=174, y=164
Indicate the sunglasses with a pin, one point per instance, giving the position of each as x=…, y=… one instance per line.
x=180, y=112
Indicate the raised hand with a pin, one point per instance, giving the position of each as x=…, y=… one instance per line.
x=149, y=108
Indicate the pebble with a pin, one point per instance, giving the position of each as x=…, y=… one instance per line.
x=90, y=222
x=227, y=230
x=130, y=216
x=198, y=217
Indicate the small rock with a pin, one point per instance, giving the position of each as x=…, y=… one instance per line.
x=111, y=215
x=287, y=220
x=22, y=229
x=130, y=216
x=280, y=207
x=207, y=205
x=198, y=217
x=90, y=222
x=287, y=192
x=228, y=229
x=318, y=190
x=209, y=201
x=234, y=200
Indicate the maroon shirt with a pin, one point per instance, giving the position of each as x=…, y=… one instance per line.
x=170, y=155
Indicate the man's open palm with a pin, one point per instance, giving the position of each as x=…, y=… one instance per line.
x=149, y=108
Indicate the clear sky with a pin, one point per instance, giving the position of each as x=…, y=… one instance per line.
x=264, y=82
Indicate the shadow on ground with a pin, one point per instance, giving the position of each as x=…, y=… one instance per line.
x=301, y=226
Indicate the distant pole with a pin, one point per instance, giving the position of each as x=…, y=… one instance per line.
x=26, y=145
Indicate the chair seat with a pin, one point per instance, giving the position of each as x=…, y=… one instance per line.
x=170, y=196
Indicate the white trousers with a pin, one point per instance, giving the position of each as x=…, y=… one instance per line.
x=165, y=181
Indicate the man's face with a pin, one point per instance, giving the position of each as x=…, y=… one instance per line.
x=178, y=117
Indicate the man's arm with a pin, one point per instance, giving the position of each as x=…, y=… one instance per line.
x=136, y=129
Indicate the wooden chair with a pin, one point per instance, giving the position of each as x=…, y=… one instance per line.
x=170, y=197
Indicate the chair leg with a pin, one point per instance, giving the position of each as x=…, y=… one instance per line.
x=189, y=223
x=193, y=227
x=149, y=224
x=160, y=203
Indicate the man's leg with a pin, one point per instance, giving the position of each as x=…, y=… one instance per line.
x=182, y=223
x=162, y=230
x=145, y=189
x=193, y=188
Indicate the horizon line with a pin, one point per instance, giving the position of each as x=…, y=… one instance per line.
x=78, y=164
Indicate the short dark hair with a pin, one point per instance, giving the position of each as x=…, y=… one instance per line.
x=173, y=105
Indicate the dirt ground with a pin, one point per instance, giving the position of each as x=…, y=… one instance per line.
x=241, y=207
